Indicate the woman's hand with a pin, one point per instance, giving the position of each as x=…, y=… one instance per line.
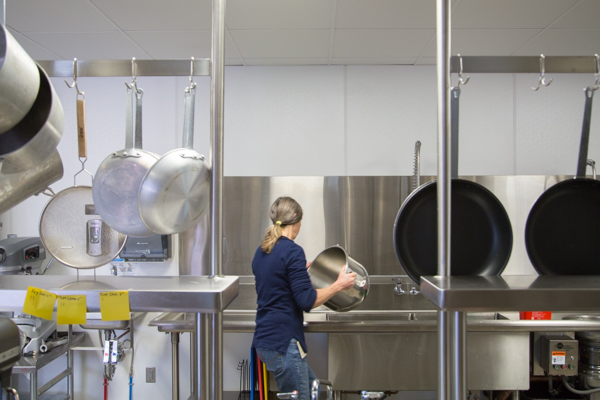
x=308, y=264
x=345, y=280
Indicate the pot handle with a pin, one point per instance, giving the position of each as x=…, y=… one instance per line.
x=188, y=117
x=138, y=94
x=585, y=132
x=129, y=118
x=454, y=97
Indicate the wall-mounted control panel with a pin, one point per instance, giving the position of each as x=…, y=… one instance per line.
x=560, y=355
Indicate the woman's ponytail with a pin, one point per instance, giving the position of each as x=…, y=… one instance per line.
x=284, y=211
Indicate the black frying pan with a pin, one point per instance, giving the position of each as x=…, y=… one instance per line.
x=481, y=233
x=562, y=234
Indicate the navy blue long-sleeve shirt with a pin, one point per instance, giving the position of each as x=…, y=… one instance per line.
x=284, y=291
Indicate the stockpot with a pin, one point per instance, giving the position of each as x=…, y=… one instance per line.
x=324, y=271
x=19, y=81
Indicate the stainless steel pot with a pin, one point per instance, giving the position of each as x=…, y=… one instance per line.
x=19, y=81
x=19, y=186
x=325, y=269
x=35, y=137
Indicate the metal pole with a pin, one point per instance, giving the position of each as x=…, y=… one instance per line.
x=193, y=364
x=443, y=182
x=203, y=356
x=70, y=389
x=3, y=12
x=217, y=123
x=175, y=365
x=217, y=89
x=217, y=355
x=458, y=359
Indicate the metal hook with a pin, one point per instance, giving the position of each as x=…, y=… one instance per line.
x=133, y=84
x=82, y=160
x=74, y=84
x=192, y=83
x=592, y=164
x=597, y=74
x=461, y=80
x=542, y=80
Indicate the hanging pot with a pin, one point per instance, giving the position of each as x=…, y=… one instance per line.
x=19, y=186
x=19, y=81
x=35, y=137
x=176, y=190
x=119, y=177
x=481, y=233
x=562, y=230
x=70, y=228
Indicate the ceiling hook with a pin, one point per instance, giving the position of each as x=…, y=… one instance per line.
x=74, y=84
x=192, y=83
x=542, y=80
x=133, y=84
x=597, y=74
x=461, y=80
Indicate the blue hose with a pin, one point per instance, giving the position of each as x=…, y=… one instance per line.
x=130, y=387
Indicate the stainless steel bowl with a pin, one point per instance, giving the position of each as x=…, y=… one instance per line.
x=325, y=269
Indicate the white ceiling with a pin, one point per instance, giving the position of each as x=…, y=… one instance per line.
x=301, y=32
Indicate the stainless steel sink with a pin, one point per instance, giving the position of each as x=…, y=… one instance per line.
x=406, y=316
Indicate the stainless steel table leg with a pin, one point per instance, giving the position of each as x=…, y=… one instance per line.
x=193, y=365
x=70, y=391
x=203, y=355
x=458, y=360
x=443, y=337
x=217, y=342
x=175, y=366
x=33, y=385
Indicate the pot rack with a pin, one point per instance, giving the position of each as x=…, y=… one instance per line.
x=455, y=296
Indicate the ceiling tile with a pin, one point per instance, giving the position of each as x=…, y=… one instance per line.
x=486, y=42
x=287, y=61
x=380, y=42
x=144, y=15
x=373, y=61
x=426, y=61
x=89, y=46
x=508, y=13
x=385, y=14
x=281, y=43
x=585, y=15
x=563, y=42
x=278, y=14
x=55, y=16
x=34, y=50
x=178, y=44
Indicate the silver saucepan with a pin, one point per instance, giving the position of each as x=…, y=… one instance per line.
x=118, y=179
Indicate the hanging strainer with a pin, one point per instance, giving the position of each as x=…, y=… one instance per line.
x=69, y=226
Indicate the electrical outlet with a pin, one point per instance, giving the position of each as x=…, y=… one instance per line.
x=150, y=375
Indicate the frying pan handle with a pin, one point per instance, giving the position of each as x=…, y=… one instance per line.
x=81, y=136
x=585, y=133
x=454, y=100
x=188, y=117
x=129, y=119
x=138, y=95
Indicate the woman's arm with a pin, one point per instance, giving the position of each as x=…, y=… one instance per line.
x=344, y=281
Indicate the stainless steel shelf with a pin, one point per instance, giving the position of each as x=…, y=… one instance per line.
x=29, y=365
x=513, y=293
x=197, y=294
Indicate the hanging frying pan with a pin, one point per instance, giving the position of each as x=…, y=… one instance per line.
x=481, y=233
x=118, y=179
x=175, y=191
x=69, y=226
x=563, y=227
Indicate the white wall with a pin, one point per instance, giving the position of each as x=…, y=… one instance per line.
x=358, y=120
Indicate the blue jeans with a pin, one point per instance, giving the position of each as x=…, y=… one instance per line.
x=290, y=370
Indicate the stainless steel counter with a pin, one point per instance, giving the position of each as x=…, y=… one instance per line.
x=513, y=293
x=197, y=294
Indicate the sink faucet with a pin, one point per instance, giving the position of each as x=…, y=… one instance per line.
x=399, y=291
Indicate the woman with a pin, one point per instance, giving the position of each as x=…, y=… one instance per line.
x=284, y=292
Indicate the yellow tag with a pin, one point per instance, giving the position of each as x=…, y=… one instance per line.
x=114, y=306
x=39, y=303
x=71, y=310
